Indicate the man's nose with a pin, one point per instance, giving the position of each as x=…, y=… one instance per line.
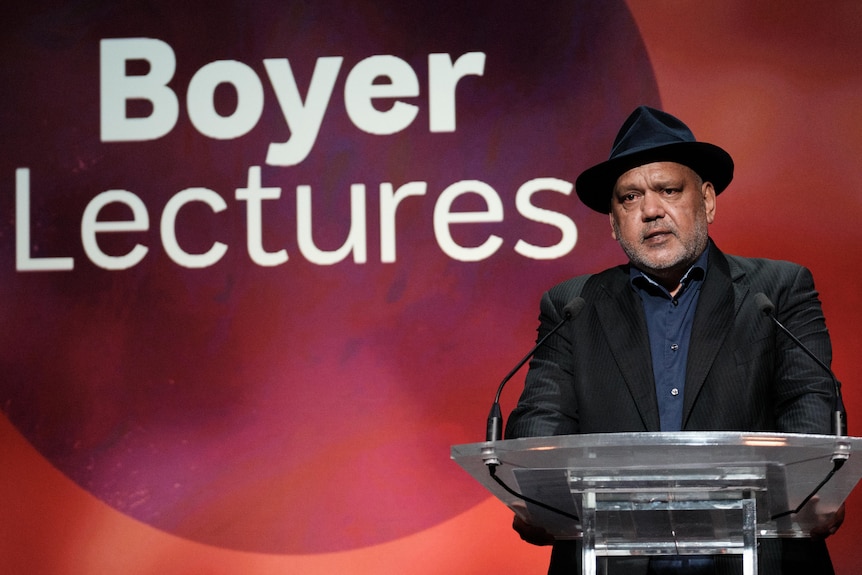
x=652, y=206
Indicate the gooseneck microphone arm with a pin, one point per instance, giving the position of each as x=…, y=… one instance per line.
x=494, y=429
x=839, y=417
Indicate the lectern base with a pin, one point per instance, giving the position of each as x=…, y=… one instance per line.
x=599, y=509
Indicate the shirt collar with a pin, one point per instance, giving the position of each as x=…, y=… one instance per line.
x=696, y=273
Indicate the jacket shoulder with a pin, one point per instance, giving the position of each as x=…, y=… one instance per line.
x=587, y=284
x=763, y=269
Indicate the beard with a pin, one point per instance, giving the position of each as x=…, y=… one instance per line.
x=676, y=258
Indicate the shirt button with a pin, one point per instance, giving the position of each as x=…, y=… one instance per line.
x=674, y=347
x=675, y=302
x=674, y=392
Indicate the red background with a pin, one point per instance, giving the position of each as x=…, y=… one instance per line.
x=777, y=85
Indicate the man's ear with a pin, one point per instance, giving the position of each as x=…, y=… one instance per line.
x=613, y=227
x=709, y=201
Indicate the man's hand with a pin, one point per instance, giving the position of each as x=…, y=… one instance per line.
x=530, y=533
x=830, y=524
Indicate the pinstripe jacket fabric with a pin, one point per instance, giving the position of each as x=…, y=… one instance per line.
x=595, y=374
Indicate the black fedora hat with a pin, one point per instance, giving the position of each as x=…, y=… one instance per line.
x=650, y=135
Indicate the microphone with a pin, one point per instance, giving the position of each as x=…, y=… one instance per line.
x=841, y=453
x=494, y=429
x=839, y=417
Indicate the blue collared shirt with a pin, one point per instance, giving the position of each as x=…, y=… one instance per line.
x=669, y=321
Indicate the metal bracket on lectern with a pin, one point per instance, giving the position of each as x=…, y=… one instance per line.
x=842, y=449
x=489, y=455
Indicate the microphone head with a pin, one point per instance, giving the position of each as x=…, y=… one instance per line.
x=764, y=303
x=574, y=307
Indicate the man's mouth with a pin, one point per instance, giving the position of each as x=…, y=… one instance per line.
x=656, y=236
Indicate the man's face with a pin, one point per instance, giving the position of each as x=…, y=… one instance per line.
x=659, y=215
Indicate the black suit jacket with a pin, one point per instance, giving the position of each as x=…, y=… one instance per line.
x=595, y=375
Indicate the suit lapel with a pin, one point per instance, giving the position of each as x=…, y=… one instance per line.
x=717, y=306
x=617, y=310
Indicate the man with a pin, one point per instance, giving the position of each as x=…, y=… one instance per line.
x=674, y=340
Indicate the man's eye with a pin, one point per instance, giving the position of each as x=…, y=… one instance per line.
x=629, y=197
x=670, y=191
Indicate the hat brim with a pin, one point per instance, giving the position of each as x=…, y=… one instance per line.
x=595, y=185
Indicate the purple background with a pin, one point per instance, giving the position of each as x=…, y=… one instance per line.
x=296, y=409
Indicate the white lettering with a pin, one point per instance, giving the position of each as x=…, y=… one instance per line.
x=474, y=244
x=373, y=80
x=360, y=90
x=254, y=195
x=389, y=200
x=23, y=260
x=303, y=118
x=564, y=224
x=168, y=228
x=443, y=78
x=444, y=217
x=356, y=238
x=90, y=226
x=200, y=100
x=116, y=88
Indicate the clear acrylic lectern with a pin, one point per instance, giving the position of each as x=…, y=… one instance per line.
x=668, y=493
